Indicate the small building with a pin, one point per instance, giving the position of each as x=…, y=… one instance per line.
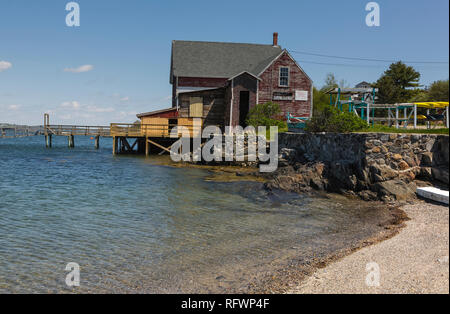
x=363, y=84
x=220, y=82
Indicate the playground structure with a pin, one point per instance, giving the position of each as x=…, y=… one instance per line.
x=296, y=123
x=361, y=101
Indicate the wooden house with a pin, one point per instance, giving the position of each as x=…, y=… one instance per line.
x=220, y=82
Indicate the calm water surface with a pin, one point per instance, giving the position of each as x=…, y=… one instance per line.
x=135, y=226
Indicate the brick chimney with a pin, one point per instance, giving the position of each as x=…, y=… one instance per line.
x=275, y=39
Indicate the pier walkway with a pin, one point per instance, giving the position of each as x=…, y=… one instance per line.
x=71, y=130
x=15, y=131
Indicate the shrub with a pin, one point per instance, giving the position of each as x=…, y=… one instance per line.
x=334, y=120
x=266, y=115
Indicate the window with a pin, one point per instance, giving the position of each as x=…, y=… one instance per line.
x=284, y=76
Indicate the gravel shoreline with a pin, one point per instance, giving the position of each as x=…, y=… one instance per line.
x=414, y=261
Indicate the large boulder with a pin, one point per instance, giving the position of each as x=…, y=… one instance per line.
x=381, y=173
x=440, y=160
x=395, y=189
x=440, y=174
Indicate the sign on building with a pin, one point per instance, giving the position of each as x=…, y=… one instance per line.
x=301, y=95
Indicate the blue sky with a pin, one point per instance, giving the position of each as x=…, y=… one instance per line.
x=125, y=48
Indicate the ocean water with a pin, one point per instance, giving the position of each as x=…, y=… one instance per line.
x=135, y=226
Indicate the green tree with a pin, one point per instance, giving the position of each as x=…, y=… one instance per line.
x=419, y=95
x=396, y=84
x=267, y=115
x=321, y=100
x=330, y=82
x=438, y=91
x=336, y=121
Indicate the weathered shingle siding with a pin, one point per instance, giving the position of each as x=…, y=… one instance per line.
x=298, y=80
x=213, y=105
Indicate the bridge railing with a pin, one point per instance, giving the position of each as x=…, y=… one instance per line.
x=17, y=131
x=77, y=130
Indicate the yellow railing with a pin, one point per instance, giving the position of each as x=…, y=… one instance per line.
x=152, y=130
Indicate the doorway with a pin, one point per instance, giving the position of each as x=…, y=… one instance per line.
x=244, y=104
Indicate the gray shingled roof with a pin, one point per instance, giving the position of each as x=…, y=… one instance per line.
x=220, y=60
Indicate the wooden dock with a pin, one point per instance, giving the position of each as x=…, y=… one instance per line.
x=137, y=138
x=17, y=131
x=145, y=136
x=70, y=131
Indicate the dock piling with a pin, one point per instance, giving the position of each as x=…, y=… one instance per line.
x=114, y=145
x=147, y=147
x=48, y=141
x=97, y=142
x=71, y=141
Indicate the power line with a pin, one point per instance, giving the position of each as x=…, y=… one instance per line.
x=365, y=59
x=343, y=64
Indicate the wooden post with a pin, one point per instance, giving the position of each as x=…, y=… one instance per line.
x=48, y=141
x=147, y=147
x=71, y=141
x=114, y=145
x=97, y=142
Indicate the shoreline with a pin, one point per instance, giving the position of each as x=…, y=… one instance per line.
x=413, y=258
x=288, y=278
x=313, y=276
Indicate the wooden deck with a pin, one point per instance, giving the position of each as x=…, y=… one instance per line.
x=158, y=135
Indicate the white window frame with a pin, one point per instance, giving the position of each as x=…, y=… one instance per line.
x=288, y=76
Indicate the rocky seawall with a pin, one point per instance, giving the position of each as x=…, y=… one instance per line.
x=373, y=166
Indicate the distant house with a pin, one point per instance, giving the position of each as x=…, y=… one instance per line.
x=363, y=84
x=220, y=82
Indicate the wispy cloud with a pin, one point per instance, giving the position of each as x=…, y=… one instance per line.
x=71, y=104
x=80, y=69
x=4, y=65
x=120, y=97
x=14, y=107
x=99, y=109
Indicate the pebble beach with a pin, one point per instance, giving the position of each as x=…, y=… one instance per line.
x=415, y=261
